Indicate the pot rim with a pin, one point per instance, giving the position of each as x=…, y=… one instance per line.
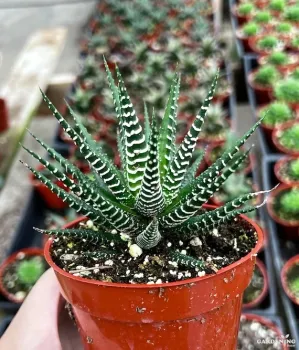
x=265, y=289
x=283, y=277
x=249, y=255
x=11, y=258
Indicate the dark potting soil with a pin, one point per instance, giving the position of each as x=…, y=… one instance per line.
x=10, y=279
x=256, y=336
x=218, y=248
x=255, y=288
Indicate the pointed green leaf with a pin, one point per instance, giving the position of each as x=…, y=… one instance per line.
x=150, y=237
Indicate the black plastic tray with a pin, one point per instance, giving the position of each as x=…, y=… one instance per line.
x=4, y=324
x=282, y=249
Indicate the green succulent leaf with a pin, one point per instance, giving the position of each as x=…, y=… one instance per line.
x=151, y=236
x=150, y=200
x=168, y=127
x=181, y=160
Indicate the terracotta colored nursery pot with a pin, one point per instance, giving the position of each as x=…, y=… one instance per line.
x=3, y=116
x=283, y=276
x=199, y=313
x=262, y=93
x=255, y=303
x=241, y=19
x=10, y=260
x=48, y=196
x=244, y=40
x=278, y=165
x=268, y=323
x=275, y=135
x=286, y=229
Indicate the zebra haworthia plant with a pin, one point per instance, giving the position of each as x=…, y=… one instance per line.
x=156, y=193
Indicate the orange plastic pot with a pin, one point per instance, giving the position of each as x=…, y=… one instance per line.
x=202, y=313
x=284, y=274
x=8, y=261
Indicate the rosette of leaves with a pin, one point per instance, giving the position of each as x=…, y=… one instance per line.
x=276, y=113
x=216, y=126
x=148, y=200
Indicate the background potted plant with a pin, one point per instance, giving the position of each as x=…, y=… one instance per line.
x=261, y=80
x=283, y=61
x=257, y=290
x=290, y=279
x=255, y=328
x=286, y=138
x=20, y=271
x=283, y=207
x=265, y=44
x=272, y=115
x=132, y=224
x=214, y=151
x=287, y=90
x=286, y=171
x=247, y=31
x=243, y=11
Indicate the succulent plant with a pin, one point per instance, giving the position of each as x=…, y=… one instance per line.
x=278, y=58
x=276, y=113
x=262, y=17
x=268, y=42
x=287, y=90
x=289, y=204
x=293, y=280
x=292, y=13
x=266, y=75
x=289, y=138
x=251, y=29
x=216, y=124
x=144, y=203
x=284, y=27
x=82, y=100
x=295, y=42
x=237, y=185
x=208, y=47
x=29, y=270
x=294, y=169
x=246, y=9
x=277, y=5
